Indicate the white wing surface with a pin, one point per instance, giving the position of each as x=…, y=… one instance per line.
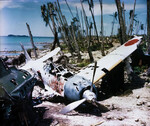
x=50, y=54
x=32, y=63
x=111, y=60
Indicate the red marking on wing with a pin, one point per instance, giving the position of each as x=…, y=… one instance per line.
x=131, y=42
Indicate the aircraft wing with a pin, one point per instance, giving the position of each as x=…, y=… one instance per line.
x=110, y=61
x=30, y=63
x=50, y=54
x=27, y=66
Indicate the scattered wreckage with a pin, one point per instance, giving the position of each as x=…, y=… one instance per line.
x=15, y=95
x=16, y=85
x=77, y=88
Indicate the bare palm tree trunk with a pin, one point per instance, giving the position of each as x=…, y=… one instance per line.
x=56, y=39
x=64, y=26
x=76, y=45
x=32, y=42
x=57, y=9
x=112, y=29
x=95, y=28
x=102, y=27
x=93, y=19
x=148, y=25
x=69, y=8
x=121, y=22
x=132, y=21
x=89, y=47
x=51, y=28
x=87, y=34
x=123, y=38
x=123, y=13
x=78, y=25
x=82, y=23
x=44, y=12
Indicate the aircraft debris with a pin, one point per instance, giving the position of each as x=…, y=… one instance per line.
x=15, y=96
x=78, y=88
x=97, y=124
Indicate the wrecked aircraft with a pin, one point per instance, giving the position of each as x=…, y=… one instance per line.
x=78, y=88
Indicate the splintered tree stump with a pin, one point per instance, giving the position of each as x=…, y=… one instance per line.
x=63, y=60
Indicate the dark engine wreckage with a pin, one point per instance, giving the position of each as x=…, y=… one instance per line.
x=15, y=96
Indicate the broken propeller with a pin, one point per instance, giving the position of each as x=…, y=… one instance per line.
x=88, y=95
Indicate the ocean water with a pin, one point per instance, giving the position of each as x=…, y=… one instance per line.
x=12, y=43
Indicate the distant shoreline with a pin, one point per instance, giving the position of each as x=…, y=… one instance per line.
x=12, y=53
x=12, y=35
x=12, y=42
x=45, y=44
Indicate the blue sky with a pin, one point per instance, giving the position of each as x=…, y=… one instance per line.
x=15, y=13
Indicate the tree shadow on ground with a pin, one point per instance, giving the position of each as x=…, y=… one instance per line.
x=42, y=122
x=90, y=109
x=108, y=90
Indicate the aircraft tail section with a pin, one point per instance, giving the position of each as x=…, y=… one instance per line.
x=28, y=58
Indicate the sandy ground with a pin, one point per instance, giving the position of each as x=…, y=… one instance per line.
x=128, y=109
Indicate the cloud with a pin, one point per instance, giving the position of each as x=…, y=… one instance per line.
x=138, y=6
x=4, y=4
x=35, y=1
x=107, y=8
x=9, y=4
x=14, y=6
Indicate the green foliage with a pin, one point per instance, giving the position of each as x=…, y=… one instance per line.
x=139, y=69
x=73, y=62
x=63, y=46
x=83, y=63
x=95, y=47
x=143, y=46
